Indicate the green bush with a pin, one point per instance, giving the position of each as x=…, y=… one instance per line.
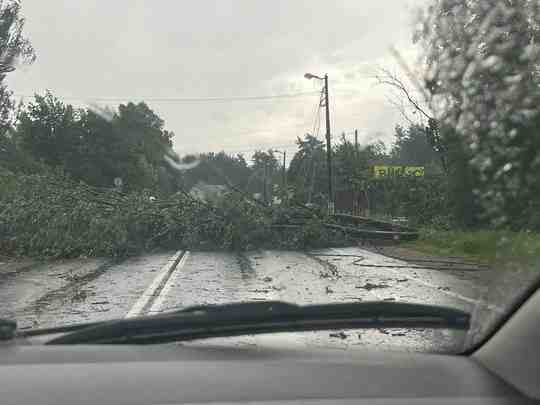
x=423, y=200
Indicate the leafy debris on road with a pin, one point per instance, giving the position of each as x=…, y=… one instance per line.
x=80, y=295
x=51, y=215
x=370, y=286
x=330, y=269
x=392, y=333
x=339, y=335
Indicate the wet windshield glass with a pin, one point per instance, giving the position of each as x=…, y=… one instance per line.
x=157, y=156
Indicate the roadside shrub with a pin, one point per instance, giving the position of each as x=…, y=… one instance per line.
x=424, y=200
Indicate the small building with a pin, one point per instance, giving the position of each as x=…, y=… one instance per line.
x=208, y=192
x=352, y=202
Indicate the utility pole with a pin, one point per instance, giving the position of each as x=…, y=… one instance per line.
x=328, y=148
x=331, y=205
x=285, y=193
x=265, y=185
x=356, y=198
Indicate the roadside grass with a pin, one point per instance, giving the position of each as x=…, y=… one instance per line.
x=485, y=246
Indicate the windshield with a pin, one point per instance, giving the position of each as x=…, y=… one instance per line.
x=155, y=156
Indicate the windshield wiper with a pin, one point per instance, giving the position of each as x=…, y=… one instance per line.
x=250, y=318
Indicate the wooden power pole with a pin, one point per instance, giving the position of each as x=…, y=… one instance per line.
x=331, y=205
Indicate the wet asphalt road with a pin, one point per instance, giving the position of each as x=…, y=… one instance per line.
x=71, y=291
x=51, y=294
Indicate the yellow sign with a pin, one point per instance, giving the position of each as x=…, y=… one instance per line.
x=381, y=172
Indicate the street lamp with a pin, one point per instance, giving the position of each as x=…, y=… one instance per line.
x=310, y=76
x=284, y=153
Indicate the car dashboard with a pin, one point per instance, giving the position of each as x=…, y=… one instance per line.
x=184, y=373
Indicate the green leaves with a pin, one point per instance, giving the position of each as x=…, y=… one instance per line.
x=96, y=145
x=52, y=215
x=484, y=68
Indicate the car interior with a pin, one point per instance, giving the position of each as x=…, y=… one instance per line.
x=505, y=369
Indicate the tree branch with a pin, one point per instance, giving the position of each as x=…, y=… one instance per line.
x=387, y=78
x=401, y=109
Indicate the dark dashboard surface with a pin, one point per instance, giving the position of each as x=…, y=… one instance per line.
x=196, y=374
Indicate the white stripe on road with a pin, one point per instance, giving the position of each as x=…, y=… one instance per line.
x=158, y=303
x=157, y=285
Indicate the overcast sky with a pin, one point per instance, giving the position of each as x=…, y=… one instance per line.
x=164, y=51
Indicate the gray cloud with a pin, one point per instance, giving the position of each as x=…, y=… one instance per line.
x=221, y=48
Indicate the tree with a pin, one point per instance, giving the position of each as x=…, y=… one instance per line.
x=408, y=100
x=411, y=147
x=48, y=129
x=95, y=147
x=97, y=152
x=483, y=73
x=265, y=173
x=351, y=165
x=416, y=103
x=140, y=144
x=219, y=169
x=307, y=172
x=262, y=159
x=14, y=49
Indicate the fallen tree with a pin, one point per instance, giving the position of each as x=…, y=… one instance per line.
x=52, y=215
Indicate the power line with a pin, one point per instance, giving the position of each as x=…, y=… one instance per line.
x=313, y=161
x=303, y=167
x=256, y=148
x=232, y=150
x=317, y=118
x=184, y=99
